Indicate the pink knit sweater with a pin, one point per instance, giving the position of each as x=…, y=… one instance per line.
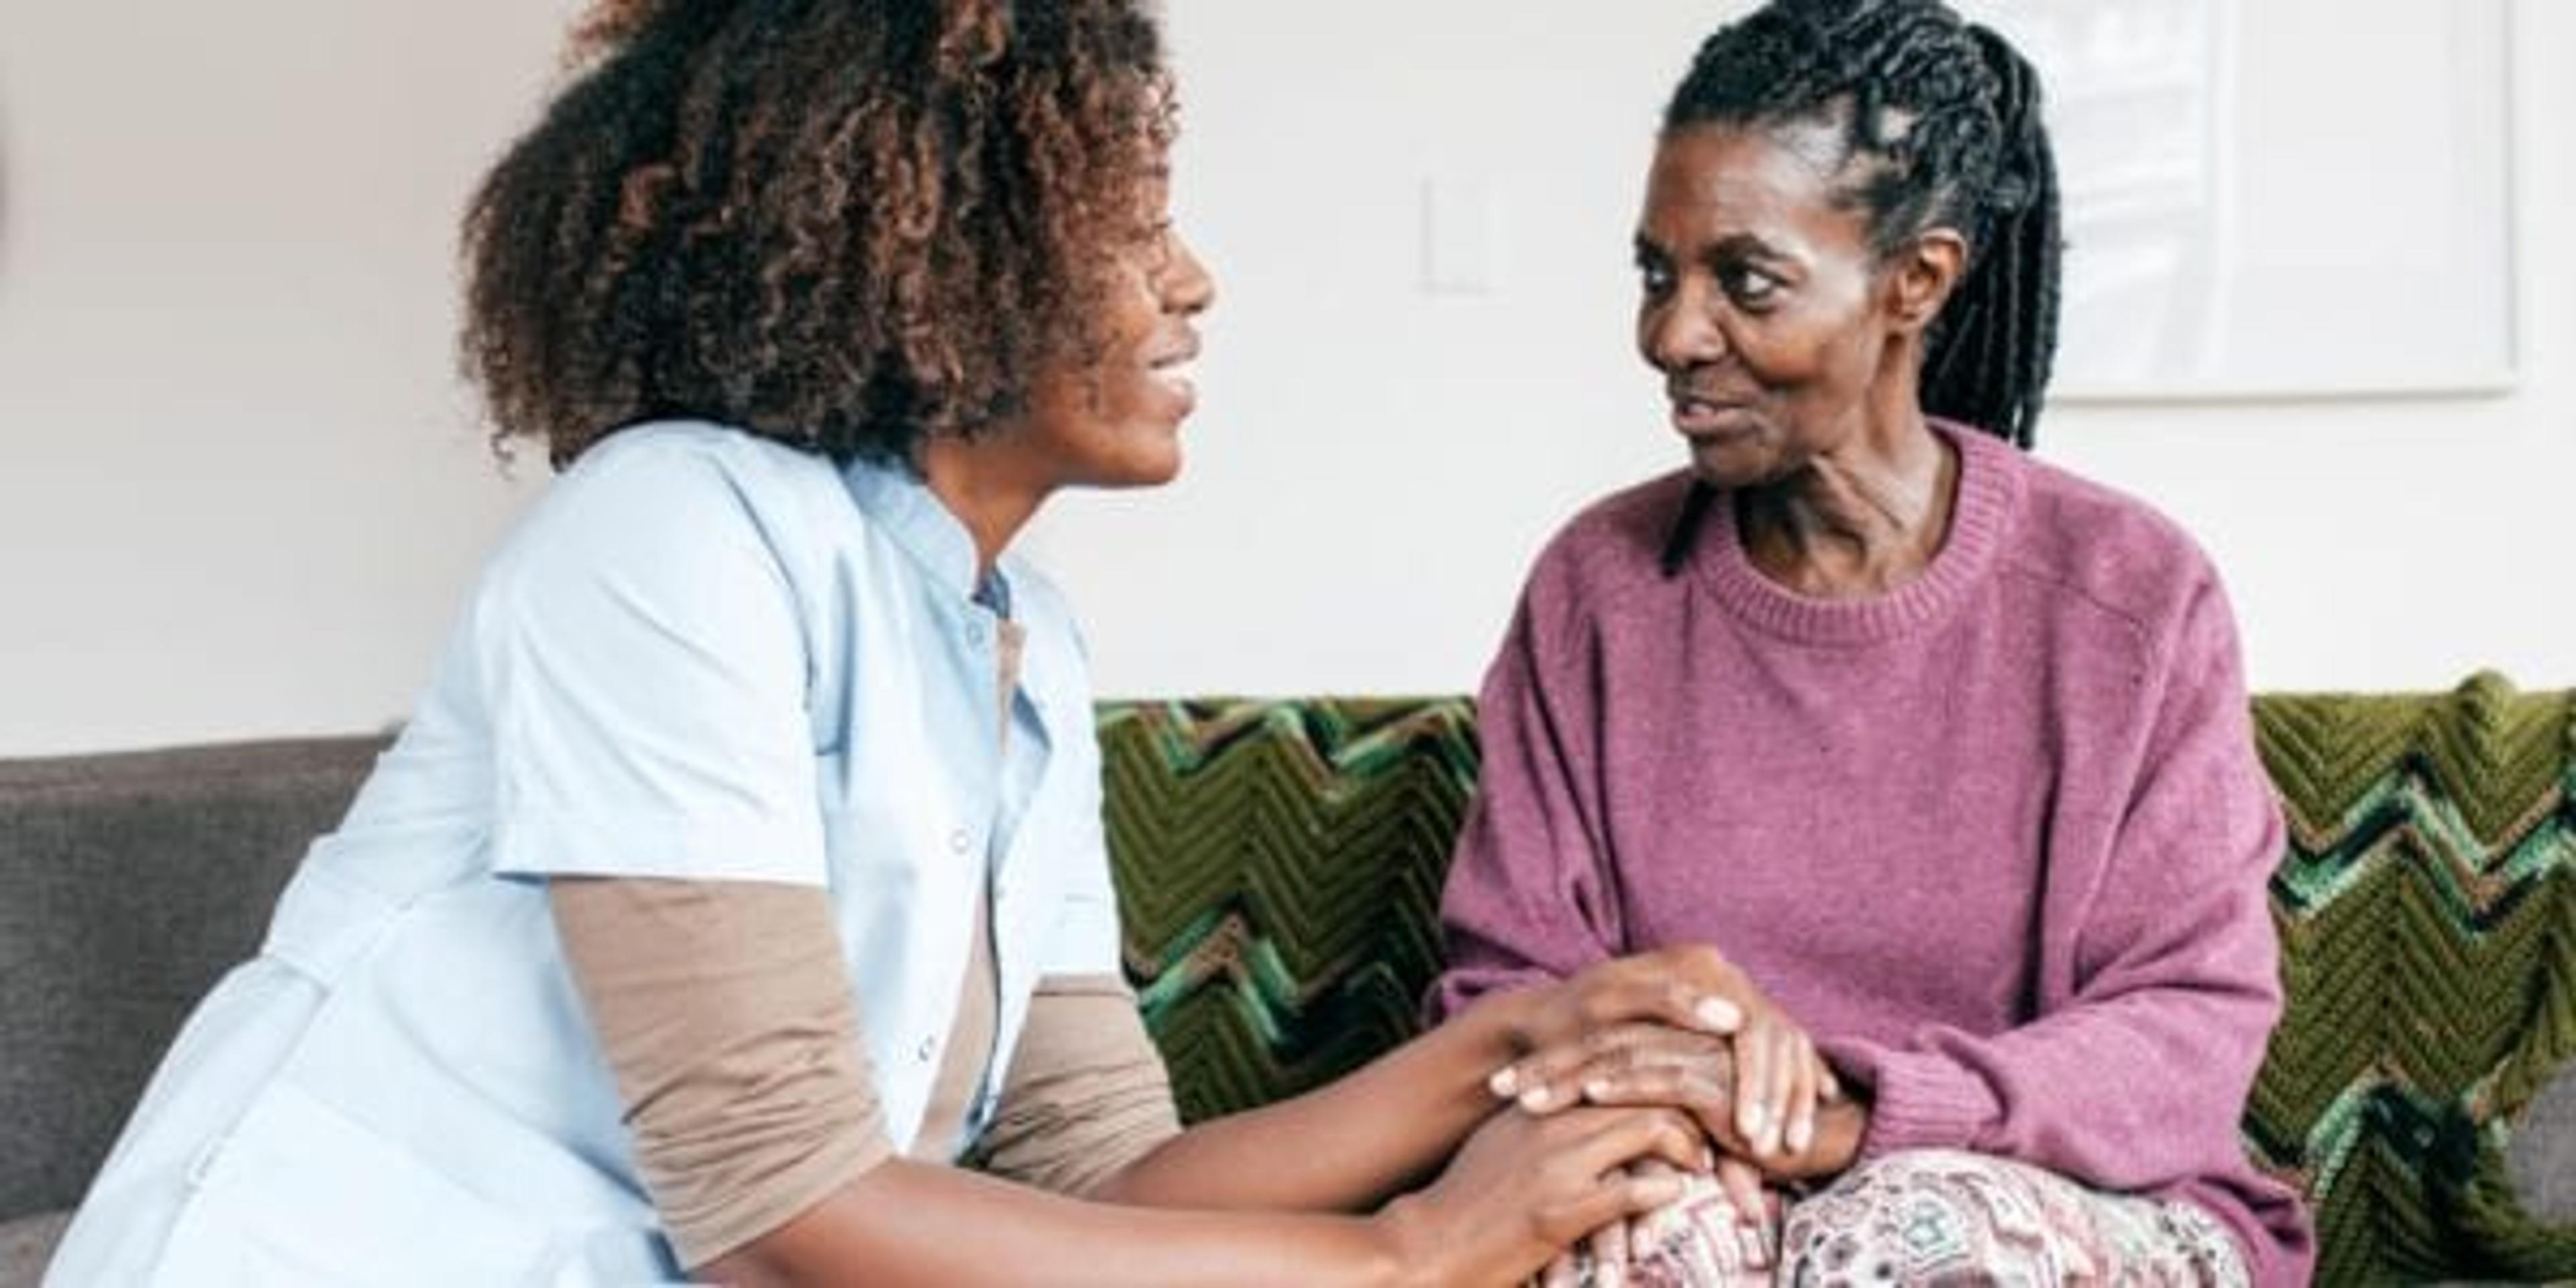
x=1998, y=838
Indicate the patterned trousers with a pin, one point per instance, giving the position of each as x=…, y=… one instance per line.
x=1937, y=1217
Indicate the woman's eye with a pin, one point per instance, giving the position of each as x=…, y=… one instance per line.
x=1749, y=286
x=1154, y=245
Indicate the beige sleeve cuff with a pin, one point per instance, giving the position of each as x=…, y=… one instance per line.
x=1086, y=1094
x=724, y=1010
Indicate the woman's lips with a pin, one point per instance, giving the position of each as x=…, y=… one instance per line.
x=1179, y=377
x=1710, y=418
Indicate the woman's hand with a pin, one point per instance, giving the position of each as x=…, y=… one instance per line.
x=1524, y=1188
x=1757, y=1094
x=1678, y=987
x=1643, y=1065
x=1611, y=1254
x=1750, y=1073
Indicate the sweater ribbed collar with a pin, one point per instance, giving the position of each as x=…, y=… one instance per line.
x=1981, y=518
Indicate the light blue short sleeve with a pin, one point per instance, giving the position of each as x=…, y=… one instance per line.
x=641, y=656
x=1086, y=939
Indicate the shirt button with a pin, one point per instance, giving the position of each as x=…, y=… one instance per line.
x=959, y=842
x=928, y=1047
x=975, y=634
x=203, y=1163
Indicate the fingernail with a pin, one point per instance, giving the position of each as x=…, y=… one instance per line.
x=1802, y=1133
x=1607, y=1276
x=1535, y=1098
x=1750, y=1122
x=1718, y=1015
x=1505, y=1081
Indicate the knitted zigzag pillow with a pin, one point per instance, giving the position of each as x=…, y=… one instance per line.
x=2428, y=920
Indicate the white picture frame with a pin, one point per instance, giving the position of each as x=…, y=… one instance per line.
x=2279, y=199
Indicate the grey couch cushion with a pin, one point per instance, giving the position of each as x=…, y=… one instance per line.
x=26, y=1244
x=134, y=881
x=2544, y=1152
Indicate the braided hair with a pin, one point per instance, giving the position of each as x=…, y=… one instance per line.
x=1941, y=122
x=839, y=224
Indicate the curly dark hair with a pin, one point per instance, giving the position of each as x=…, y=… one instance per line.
x=1942, y=124
x=840, y=224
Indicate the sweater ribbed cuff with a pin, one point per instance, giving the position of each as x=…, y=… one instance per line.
x=1926, y=1101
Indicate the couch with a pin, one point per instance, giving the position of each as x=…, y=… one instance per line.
x=1279, y=863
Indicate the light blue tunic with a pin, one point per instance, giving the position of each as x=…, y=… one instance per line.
x=702, y=656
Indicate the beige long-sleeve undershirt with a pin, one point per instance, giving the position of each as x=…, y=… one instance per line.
x=725, y=1012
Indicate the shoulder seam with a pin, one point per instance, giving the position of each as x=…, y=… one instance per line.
x=2036, y=573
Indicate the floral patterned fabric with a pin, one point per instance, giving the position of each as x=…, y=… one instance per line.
x=1935, y=1217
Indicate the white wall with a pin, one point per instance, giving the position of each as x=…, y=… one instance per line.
x=240, y=493
x=239, y=490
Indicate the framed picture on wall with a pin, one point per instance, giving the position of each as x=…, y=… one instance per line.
x=2283, y=199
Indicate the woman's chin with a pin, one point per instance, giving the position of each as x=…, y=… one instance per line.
x=1730, y=464
x=1158, y=474
x=1147, y=467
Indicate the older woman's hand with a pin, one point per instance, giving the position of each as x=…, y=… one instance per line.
x=1748, y=1072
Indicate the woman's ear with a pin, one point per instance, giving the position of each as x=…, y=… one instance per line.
x=1922, y=274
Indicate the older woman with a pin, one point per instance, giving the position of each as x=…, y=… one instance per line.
x=740, y=875
x=1945, y=750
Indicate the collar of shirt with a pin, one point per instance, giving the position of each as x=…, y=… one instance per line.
x=898, y=501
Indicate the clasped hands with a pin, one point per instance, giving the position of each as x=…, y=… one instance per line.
x=1770, y=1107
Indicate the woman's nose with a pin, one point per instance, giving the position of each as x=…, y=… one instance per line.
x=1187, y=285
x=1675, y=334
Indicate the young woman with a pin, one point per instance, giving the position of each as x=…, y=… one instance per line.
x=740, y=875
x=1946, y=751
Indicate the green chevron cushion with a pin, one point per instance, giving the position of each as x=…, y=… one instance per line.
x=1279, y=866
x=2428, y=916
